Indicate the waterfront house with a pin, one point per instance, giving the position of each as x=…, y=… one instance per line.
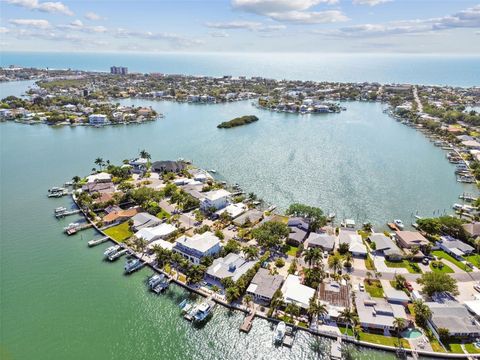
x=323, y=241
x=168, y=166
x=386, y=246
x=472, y=229
x=97, y=119
x=378, y=313
x=162, y=231
x=139, y=166
x=299, y=223
x=252, y=216
x=263, y=286
x=232, y=266
x=101, y=177
x=99, y=187
x=295, y=292
x=471, y=144
x=215, y=199
x=336, y=297
x=196, y=247
x=233, y=210
x=396, y=296
x=144, y=220
x=409, y=239
x=455, y=247
x=116, y=217
x=354, y=241
x=161, y=243
x=455, y=317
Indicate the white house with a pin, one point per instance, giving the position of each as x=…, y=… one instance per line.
x=295, y=292
x=161, y=231
x=97, y=119
x=233, y=210
x=99, y=178
x=196, y=247
x=354, y=241
x=216, y=199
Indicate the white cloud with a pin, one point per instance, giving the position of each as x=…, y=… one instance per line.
x=77, y=25
x=219, y=34
x=49, y=6
x=469, y=18
x=295, y=11
x=247, y=25
x=3, y=30
x=93, y=16
x=174, y=39
x=370, y=2
x=35, y=23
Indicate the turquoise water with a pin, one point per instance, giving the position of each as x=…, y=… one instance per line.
x=59, y=300
x=420, y=69
x=412, y=334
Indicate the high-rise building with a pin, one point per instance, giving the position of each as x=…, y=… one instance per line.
x=118, y=70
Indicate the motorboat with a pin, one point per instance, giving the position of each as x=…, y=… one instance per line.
x=60, y=210
x=203, y=310
x=280, y=331
x=399, y=224
x=111, y=250
x=154, y=280
x=132, y=265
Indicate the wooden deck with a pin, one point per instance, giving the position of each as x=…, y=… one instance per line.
x=247, y=322
x=393, y=226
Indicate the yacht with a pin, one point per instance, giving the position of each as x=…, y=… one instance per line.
x=280, y=332
x=111, y=250
x=203, y=310
x=154, y=280
x=132, y=265
x=399, y=224
x=71, y=226
x=60, y=210
x=213, y=171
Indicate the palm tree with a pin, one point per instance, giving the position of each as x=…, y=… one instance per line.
x=316, y=309
x=99, y=162
x=335, y=262
x=398, y=324
x=313, y=257
x=293, y=310
x=247, y=299
x=76, y=179
x=477, y=246
x=368, y=275
x=145, y=155
x=422, y=312
x=349, y=317
x=140, y=244
x=367, y=227
x=251, y=252
x=277, y=303
x=399, y=281
x=348, y=258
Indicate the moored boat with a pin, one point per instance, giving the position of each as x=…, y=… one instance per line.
x=280, y=331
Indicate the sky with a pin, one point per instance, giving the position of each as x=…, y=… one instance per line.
x=323, y=26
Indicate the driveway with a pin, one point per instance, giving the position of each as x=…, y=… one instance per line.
x=379, y=261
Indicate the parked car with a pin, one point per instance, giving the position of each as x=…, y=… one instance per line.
x=361, y=287
x=425, y=261
x=477, y=287
x=325, y=254
x=408, y=286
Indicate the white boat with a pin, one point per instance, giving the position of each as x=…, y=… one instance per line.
x=71, y=226
x=279, y=332
x=331, y=215
x=271, y=208
x=213, y=171
x=132, y=265
x=203, y=310
x=60, y=210
x=154, y=280
x=111, y=250
x=399, y=224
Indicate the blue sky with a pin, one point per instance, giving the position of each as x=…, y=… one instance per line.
x=328, y=26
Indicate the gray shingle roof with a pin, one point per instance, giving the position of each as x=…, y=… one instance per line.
x=265, y=284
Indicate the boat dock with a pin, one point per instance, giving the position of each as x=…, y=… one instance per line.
x=62, y=214
x=336, y=350
x=95, y=242
x=393, y=226
x=74, y=229
x=247, y=322
x=289, y=337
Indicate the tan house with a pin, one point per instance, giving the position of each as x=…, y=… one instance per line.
x=409, y=239
x=120, y=216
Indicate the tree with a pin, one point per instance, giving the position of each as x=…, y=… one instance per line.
x=271, y=234
x=444, y=334
x=232, y=246
x=348, y=317
x=247, y=299
x=313, y=256
x=335, y=262
x=433, y=282
x=251, y=252
x=139, y=245
x=76, y=179
x=314, y=276
x=368, y=275
x=232, y=293
x=316, y=309
x=399, y=325
x=348, y=260
x=399, y=281
x=292, y=269
x=367, y=227
x=293, y=310
x=145, y=155
x=343, y=248
x=314, y=215
x=99, y=162
x=422, y=312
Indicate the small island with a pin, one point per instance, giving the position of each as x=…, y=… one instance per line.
x=239, y=121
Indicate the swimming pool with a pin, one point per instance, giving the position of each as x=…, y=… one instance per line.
x=411, y=334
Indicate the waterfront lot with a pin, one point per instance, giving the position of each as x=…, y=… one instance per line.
x=458, y=264
x=119, y=232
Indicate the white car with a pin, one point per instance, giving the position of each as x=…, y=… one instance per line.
x=361, y=287
x=477, y=287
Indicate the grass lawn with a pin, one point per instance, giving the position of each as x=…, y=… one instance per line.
x=382, y=340
x=454, y=348
x=343, y=328
x=474, y=259
x=374, y=288
x=163, y=215
x=442, y=254
x=292, y=251
x=436, y=346
x=410, y=266
x=302, y=324
x=119, y=232
x=445, y=269
x=472, y=349
x=369, y=263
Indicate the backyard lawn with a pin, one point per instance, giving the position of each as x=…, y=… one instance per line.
x=374, y=288
x=292, y=251
x=442, y=254
x=369, y=263
x=163, y=214
x=119, y=232
x=472, y=349
x=410, y=266
x=474, y=259
x=454, y=347
x=374, y=338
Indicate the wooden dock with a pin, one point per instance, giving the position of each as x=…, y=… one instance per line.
x=118, y=254
x=67, y=213
x=336, y=350
x=393, y=226
x=74, y=230
x=247, y=322
x=95, y=242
